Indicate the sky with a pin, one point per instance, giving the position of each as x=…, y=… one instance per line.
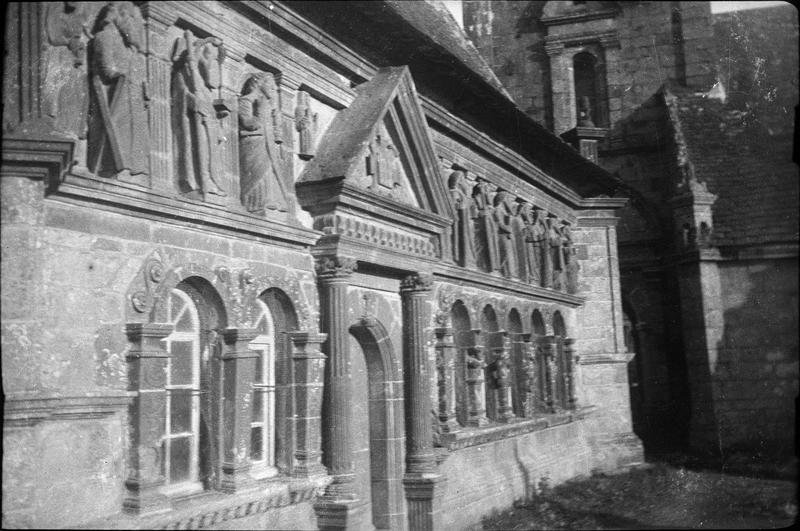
x=716, y=7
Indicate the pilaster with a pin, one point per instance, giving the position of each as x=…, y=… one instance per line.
x=237, y=370
x=309, y=369
x=147, y=378
x=445, y=368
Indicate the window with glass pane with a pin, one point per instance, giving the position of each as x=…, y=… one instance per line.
x=183, y=390
x=262, y=425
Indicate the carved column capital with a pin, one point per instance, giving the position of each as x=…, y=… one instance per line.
x=418, y=282
x=330, y=268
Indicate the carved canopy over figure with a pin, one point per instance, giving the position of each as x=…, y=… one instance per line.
x=305, y=122
x=118, y=131
x=503, y=214
x=196, y=128
x=261, y=185
x=555, y=251
x=463, y=238
x=570, y=262
x=487, y=251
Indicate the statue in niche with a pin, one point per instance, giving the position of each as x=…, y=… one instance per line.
x=585, y=112
x=537, y=233
x=532, y=237
x=570, y=261
x=64, y=87
x=503, y=214
x=261, y=186
x=196, y=76
x=463, y=238
x=487, y=252
x=305, y=122
x=118, y=129
x=556, y=253
x=704, y=235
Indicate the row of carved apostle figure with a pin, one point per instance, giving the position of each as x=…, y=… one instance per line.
x=496, y=232
x=116, y=110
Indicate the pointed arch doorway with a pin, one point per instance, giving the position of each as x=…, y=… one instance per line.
x=379, y=437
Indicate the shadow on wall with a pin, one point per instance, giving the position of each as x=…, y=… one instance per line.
x=754, y=380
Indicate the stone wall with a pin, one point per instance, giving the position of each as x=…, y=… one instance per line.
x=756, y=370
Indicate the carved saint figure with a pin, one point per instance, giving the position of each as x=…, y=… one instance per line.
x=486, y=248
x=463, y=238
x=570, y=262
x=530, y=262
x=585, y=112
x=64, y=88
x=503, y=214
x=305, y=122
x=555, y=251
x=118, y=131
x=195, y=79
x=261, y=185
x=383, y=163
x=537, y=238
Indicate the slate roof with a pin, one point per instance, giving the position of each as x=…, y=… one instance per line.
x=750, y=170
x=448, y=69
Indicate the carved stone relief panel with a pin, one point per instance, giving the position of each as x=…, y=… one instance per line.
x=385, y=172
x=118, y=135
x=197, y=111
x=376, y=233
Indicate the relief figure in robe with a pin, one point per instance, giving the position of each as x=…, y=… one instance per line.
x=196, y=128
x=118, y=129
x=305, y=122
x=463, y=238
x=555, y=251
x=261, y=186
x=503, y=215
x=532, y=234
x=65, y=90
x=570, y=261
x=486, y=248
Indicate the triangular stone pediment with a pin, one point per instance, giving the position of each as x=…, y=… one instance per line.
x=377, y=147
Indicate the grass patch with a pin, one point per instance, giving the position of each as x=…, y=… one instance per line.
x=654, y=497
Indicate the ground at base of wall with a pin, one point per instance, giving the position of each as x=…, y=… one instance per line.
x=655, y=496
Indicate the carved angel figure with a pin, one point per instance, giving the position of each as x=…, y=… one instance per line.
x=261, y=186
x=195, y=78
x=118, y=130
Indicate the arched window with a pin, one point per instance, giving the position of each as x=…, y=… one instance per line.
x=463, y=339
x=182, y=433
x=262, y=424
x=563, y=368
x=518, y=377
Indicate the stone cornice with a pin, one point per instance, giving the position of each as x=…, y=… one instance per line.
x=45, y=159
x=25, y=409
x=608, y=39
x=456, y=275
x=574, y=18
x=152, y=204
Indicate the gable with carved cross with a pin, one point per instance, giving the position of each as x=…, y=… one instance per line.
x=376, y=168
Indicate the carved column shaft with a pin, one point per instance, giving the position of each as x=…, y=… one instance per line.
x=309, y=368
x=549, y=349
x=334, y=275
x=504, y=374
x=237, y=370
x=147, y=377
x=419, y=436
x=445, y=356
x=476, y=384
x=570, y=360
x=159, y=76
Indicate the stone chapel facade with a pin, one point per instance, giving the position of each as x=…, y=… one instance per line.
x=696, y=114
x=284, y=265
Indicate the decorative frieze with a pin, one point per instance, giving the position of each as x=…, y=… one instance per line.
x=376, y=234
